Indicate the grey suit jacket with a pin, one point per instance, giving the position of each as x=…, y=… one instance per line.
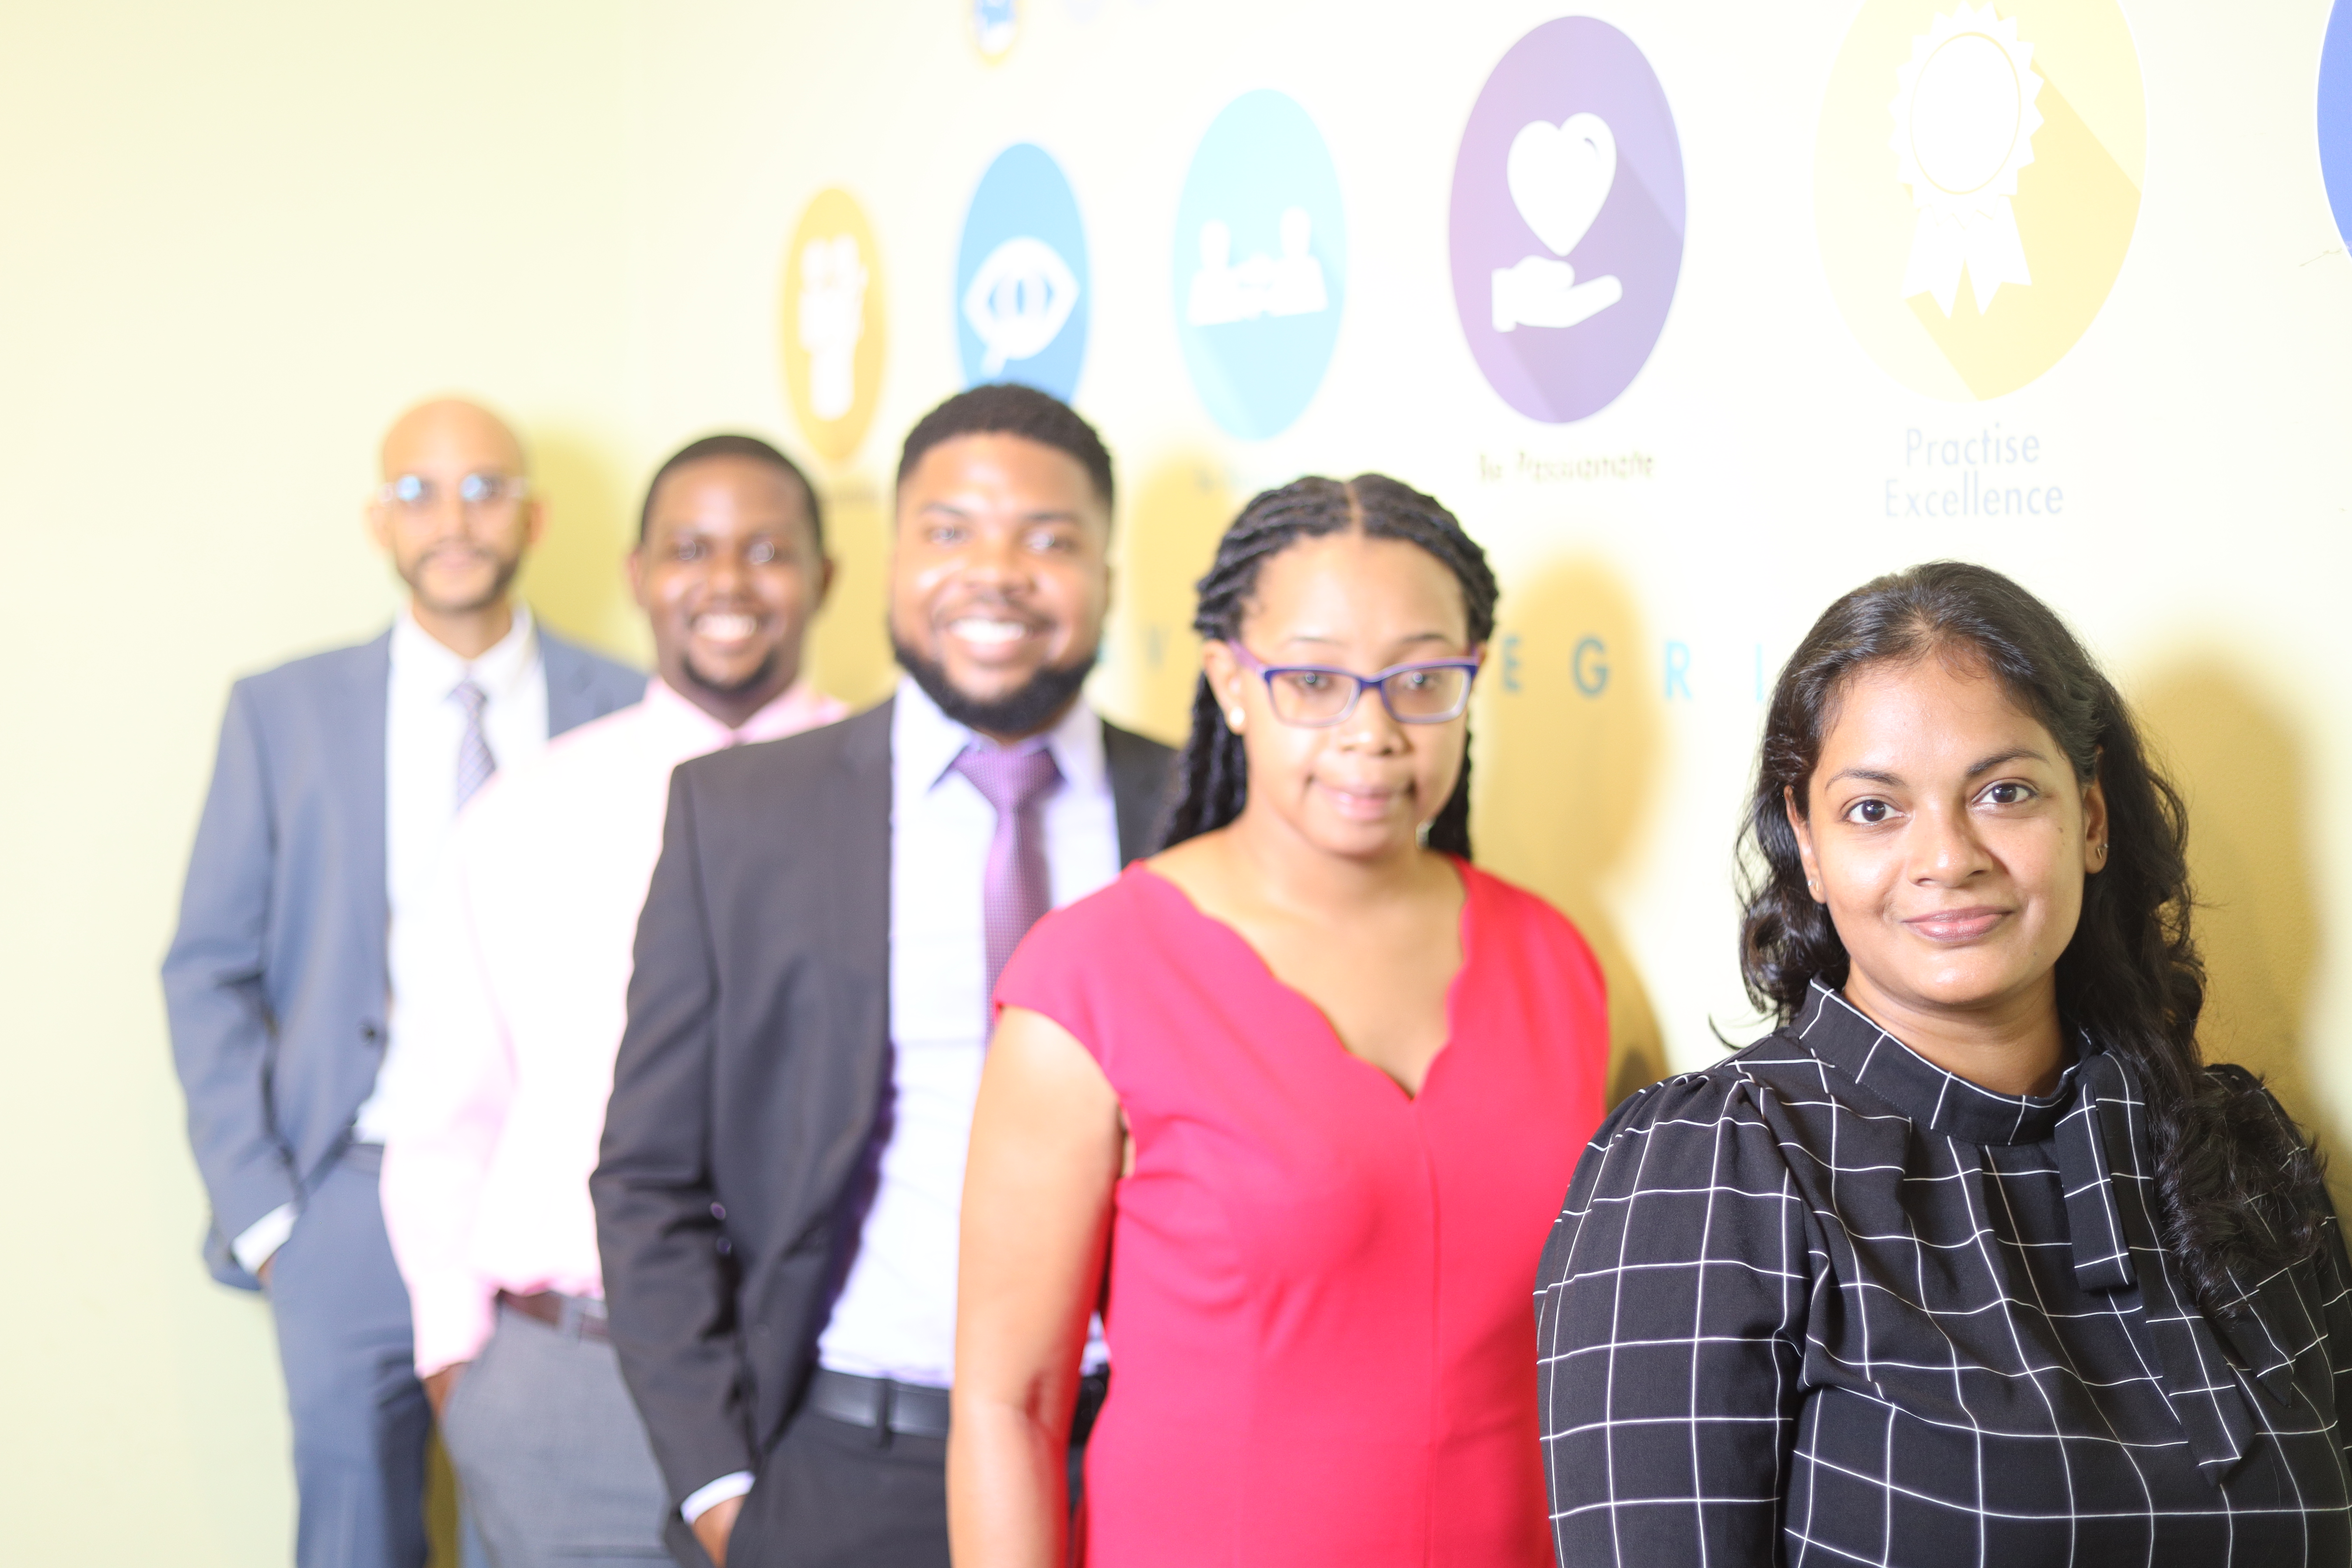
x=275, y=983
x=751, y=1074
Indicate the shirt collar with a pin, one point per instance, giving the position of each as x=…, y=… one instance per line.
x=2095, y=1120
x=924, y=741
x=418, y=656
x=800, y=707
x=1837, y=1032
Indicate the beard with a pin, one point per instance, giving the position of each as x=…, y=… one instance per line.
x=1023, y=710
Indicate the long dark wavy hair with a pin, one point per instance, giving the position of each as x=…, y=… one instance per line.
x=2239, y=1194
x=1212, y=777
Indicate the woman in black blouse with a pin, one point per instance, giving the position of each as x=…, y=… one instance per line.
x=1972, y=1260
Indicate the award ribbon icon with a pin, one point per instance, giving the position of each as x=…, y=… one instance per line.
x=1964, y=125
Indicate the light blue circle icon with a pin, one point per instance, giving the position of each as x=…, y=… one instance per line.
x=1022, y=289
x=1261, y=264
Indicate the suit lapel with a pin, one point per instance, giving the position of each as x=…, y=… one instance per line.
x=1138, y=785
x=363, y=708
x=863, y=845
x=567, y=697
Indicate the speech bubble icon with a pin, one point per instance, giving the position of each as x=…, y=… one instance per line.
x=1018, y=300
x=1023, y=293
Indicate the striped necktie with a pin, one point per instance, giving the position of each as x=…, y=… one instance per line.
x=475, y=764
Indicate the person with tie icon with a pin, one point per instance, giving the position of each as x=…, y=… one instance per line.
x=337, y=781
x=777, y=1190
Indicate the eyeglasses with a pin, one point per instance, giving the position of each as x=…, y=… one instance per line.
x=1317, y=696
x=476, y=492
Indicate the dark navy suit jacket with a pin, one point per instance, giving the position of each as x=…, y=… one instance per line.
x=275, y=981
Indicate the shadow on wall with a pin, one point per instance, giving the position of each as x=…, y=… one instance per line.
x=1166, y=541
x=2244, y=772
x=1569, y=736
x=849, y=647
x=576, y=580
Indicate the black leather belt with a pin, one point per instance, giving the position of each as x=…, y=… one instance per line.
x=578, y=1315
x=881, y=1406
x=913, y=1409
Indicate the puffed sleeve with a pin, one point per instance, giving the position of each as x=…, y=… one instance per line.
x=1670, y=1309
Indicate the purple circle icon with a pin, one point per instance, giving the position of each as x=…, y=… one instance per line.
x=1567, y=220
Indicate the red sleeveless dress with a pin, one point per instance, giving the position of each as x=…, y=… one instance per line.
x=1321, y=1298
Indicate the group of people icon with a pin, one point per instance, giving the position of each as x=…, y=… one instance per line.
x=1286, y=283
x=969, y=1130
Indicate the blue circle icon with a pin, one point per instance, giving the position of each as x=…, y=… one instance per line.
x=1261, y=264
x=1022, y=290
x=2336, y=115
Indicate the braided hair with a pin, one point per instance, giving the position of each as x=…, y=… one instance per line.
x=1212, y=776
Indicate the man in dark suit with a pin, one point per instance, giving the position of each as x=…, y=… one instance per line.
x=337, y=778
x=782, y=1161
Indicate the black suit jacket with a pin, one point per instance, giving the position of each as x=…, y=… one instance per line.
x=751, y=1074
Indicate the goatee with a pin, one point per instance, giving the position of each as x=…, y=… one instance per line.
x=1023, y=710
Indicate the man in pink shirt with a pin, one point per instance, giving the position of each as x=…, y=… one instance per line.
x=502, y=1055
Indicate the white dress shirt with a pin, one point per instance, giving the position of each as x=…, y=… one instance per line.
x=518, y=974
x=894, y=1317
x=422, y=730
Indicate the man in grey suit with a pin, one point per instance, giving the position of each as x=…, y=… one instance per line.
x=337, y=779
x=783, y=1164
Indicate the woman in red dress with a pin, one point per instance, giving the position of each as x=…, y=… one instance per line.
x=1293, y=1101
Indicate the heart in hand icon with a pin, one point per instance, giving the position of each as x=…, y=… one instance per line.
x=1559, y=175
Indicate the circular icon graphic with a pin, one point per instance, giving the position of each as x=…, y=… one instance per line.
x=2336, y=115
x=995, y=23
x=1976, y=184
x=1021, y=287
x=1261, y=264
x=833, y=324
x=1567, y=220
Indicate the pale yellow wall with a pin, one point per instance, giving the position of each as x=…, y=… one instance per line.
x=236, y=239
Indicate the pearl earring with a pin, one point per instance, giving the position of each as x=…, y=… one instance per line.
x=1235, y=715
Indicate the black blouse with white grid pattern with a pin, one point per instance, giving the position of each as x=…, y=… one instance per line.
x=1827, y=1303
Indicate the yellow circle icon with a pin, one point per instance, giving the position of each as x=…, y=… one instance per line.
x=834, y=331
x=996, y=26
x=1976, y=184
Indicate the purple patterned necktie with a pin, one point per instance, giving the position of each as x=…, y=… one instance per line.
x=1017, y=889
x=475, y=762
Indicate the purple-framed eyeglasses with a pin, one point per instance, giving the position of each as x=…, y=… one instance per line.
x=1317, y=696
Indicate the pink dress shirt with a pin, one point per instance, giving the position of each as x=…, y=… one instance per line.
x=497, y=1081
